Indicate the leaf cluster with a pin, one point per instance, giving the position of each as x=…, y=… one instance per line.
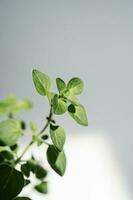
x=15, y=172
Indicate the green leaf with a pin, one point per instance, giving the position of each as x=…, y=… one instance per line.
x=79, y=115
x=75, y=86
x=11, y=105
x=3, y=108
x=10, y=131
x=59, y=106
x=1, y=158
x=11, y=182
x=25, y=169
x=32, y=164
x=42, y=187
x=58, y=137
x=7, y=104
x=33, y=126
x=41, y=81
x=60, y=85
x=72, y=99
x=37, y=140
x=71, y=108
x=22, y=198
x=35, y=168
x=20, y=105
x=40, y=172
x=7, y=155
x=57, y=160
x=14, y=148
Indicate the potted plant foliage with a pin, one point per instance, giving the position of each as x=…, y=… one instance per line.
x=15, y=171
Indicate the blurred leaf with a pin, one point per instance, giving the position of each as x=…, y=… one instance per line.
x=14, y=105
x=37, y=140
x=60, y=85
x=35, y=168
x=57, y=160
x=79, y=115
x=25, y=168
x=11, y=182
x=33, y=126
x=14, y=148
x=7, y=155
x=42, y=187
x=7, y=104
x=58, y=137
x=41, y=81
x=59, y=106
x=10, y=131
x=75, y=86
x=22, y=198
x=40, y=172
x=2, y=148
x=32, y=164
x=3, y=108
x=20, y=105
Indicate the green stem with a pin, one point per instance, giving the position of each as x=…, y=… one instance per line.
x=40, y=133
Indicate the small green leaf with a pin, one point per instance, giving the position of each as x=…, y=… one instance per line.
x=22, y=198
x=20, y=105
x=11, y=182
x=2, y=148
x=10, y=131
x=57, y=160
x=7, y=155
x=11, y=105
x=7, y=104
x=71, y=108
x=58, y=137
x=14, y=148
x=60, y=85
x=41, y=81
x=75, y=86
x=3, y=108
x=31, y=165
x=42, y=187
x=59, y=106
x=79, y=115
x=37, y=140
x=40, y=172
x=50, y=96
x=35, y=168
x=33, y=126
x=25, y=169
x=72, y=99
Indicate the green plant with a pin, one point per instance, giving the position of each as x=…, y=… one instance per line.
x=14, y=170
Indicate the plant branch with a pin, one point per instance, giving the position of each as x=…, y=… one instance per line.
x=49, y=118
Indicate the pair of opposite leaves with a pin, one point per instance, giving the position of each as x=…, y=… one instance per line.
x=66, y=100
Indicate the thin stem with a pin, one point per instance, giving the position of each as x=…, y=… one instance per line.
x=31, y=142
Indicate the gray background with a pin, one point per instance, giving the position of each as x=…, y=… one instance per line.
x=90, y=39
